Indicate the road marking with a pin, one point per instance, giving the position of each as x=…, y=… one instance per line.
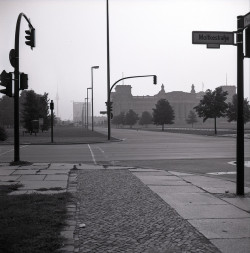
x=222, y=173
x=92, y=154
x=246, y=164
x=12, y=150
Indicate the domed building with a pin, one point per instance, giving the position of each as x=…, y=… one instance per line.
x=181, y=102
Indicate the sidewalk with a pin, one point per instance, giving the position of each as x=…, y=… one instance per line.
x=123, y=209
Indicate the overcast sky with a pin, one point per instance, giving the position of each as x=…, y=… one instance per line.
x=146, y=37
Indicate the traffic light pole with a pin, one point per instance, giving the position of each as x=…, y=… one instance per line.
x=109, y=102
x=240, y=114
x=16, y=88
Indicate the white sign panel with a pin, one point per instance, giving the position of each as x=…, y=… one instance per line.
x=221, y=38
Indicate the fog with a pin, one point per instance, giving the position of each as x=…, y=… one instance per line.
x=146, y=37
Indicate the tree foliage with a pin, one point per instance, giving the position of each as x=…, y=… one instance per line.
x=131, y=118
x=35, y=106
x=213, y=105
x=192, y=118
x=163, y=113
x=119, y=119
x=232, y=110
x=6, y=111
x=3, y=134
x=146, y=118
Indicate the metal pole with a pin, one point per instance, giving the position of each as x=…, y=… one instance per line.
x=92, y=99
x=240, y=114
x=52, y=120
x=16, y=93
x=87, y=109
x=108, y=72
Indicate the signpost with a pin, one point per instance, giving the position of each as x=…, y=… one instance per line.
x=214, y=40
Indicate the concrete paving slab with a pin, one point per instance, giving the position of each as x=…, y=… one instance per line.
x=223, y=228
x=52, y=172
x=41, y=164
x=7, y=183
x=59, y=166
x=174, y=189
x=6, y=171
x=9, y=178
x=144, y=170
x=89, y=167
x=201, y=198
x=56, y=177
x=228, y=189
x=157, y=180
x=24, y=172
x=241, y=245
x=242, y=203
x=34, y=185
x=211, y=212
x=180, y=174
x=152, y=173
x=31, y=178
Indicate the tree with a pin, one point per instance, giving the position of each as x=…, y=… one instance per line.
x=192, y=118
x=6, y=111
x=131, y=118
x=213, y=105
x=163, y=113
x=119, y=119
x=146, y=118
x=232, y=110
x=35, y=106
x=3, y=134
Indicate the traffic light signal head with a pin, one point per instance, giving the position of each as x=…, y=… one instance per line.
x=6, y=81
x=23, y=81
x=247, y=42
x=31, y=40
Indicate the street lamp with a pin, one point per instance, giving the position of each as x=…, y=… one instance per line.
x=109, y=102
x=92, y=95
x=88, y=107
x=85, y=115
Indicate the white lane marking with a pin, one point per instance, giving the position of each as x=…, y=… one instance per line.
x=246, y=164
x=6, y=152
x=222, y=173
x=92, y=154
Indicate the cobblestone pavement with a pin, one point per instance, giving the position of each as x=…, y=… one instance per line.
x=118, y=213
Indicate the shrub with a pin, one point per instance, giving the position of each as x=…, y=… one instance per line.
x=3, y=134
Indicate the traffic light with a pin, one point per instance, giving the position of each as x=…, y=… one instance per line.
x=247, y=42
x=6, y=81
x=30, y=37
x=111, y=106
x=23, y=81
x=155, y=79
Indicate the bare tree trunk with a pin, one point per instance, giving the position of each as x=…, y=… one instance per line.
x=215, y=129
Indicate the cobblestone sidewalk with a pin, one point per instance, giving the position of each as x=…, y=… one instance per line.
x=118, y=213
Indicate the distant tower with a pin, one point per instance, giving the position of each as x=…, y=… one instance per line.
x=57, y=99
x=192, y=89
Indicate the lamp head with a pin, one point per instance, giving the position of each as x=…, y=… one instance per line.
x=95, y=67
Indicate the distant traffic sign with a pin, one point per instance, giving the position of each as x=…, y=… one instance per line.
x=247, y=20
x=221, y=38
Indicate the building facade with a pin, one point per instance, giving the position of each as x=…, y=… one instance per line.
x=181, y=102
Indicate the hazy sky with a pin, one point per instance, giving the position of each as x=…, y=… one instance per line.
x=146, y=37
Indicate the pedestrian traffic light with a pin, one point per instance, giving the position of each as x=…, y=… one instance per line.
x=30, y=37
x=247, y=42
x=23, y=81
x=6, y=81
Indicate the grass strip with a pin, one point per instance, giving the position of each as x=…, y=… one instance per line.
x=31, y=223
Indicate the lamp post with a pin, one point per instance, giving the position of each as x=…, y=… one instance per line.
x=88, y=107
x=109, y=102
x=85, y=115
x=92, y=95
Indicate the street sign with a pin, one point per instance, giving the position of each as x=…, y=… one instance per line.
x=247, y=20
x=221, y=38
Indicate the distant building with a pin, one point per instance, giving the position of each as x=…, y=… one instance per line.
x=79, y=112
x=182, y=102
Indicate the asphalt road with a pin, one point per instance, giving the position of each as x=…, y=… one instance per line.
x=179, y=152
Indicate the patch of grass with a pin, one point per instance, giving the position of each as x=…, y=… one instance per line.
x=31, y=223
x=50, y=189
x=21, y=163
